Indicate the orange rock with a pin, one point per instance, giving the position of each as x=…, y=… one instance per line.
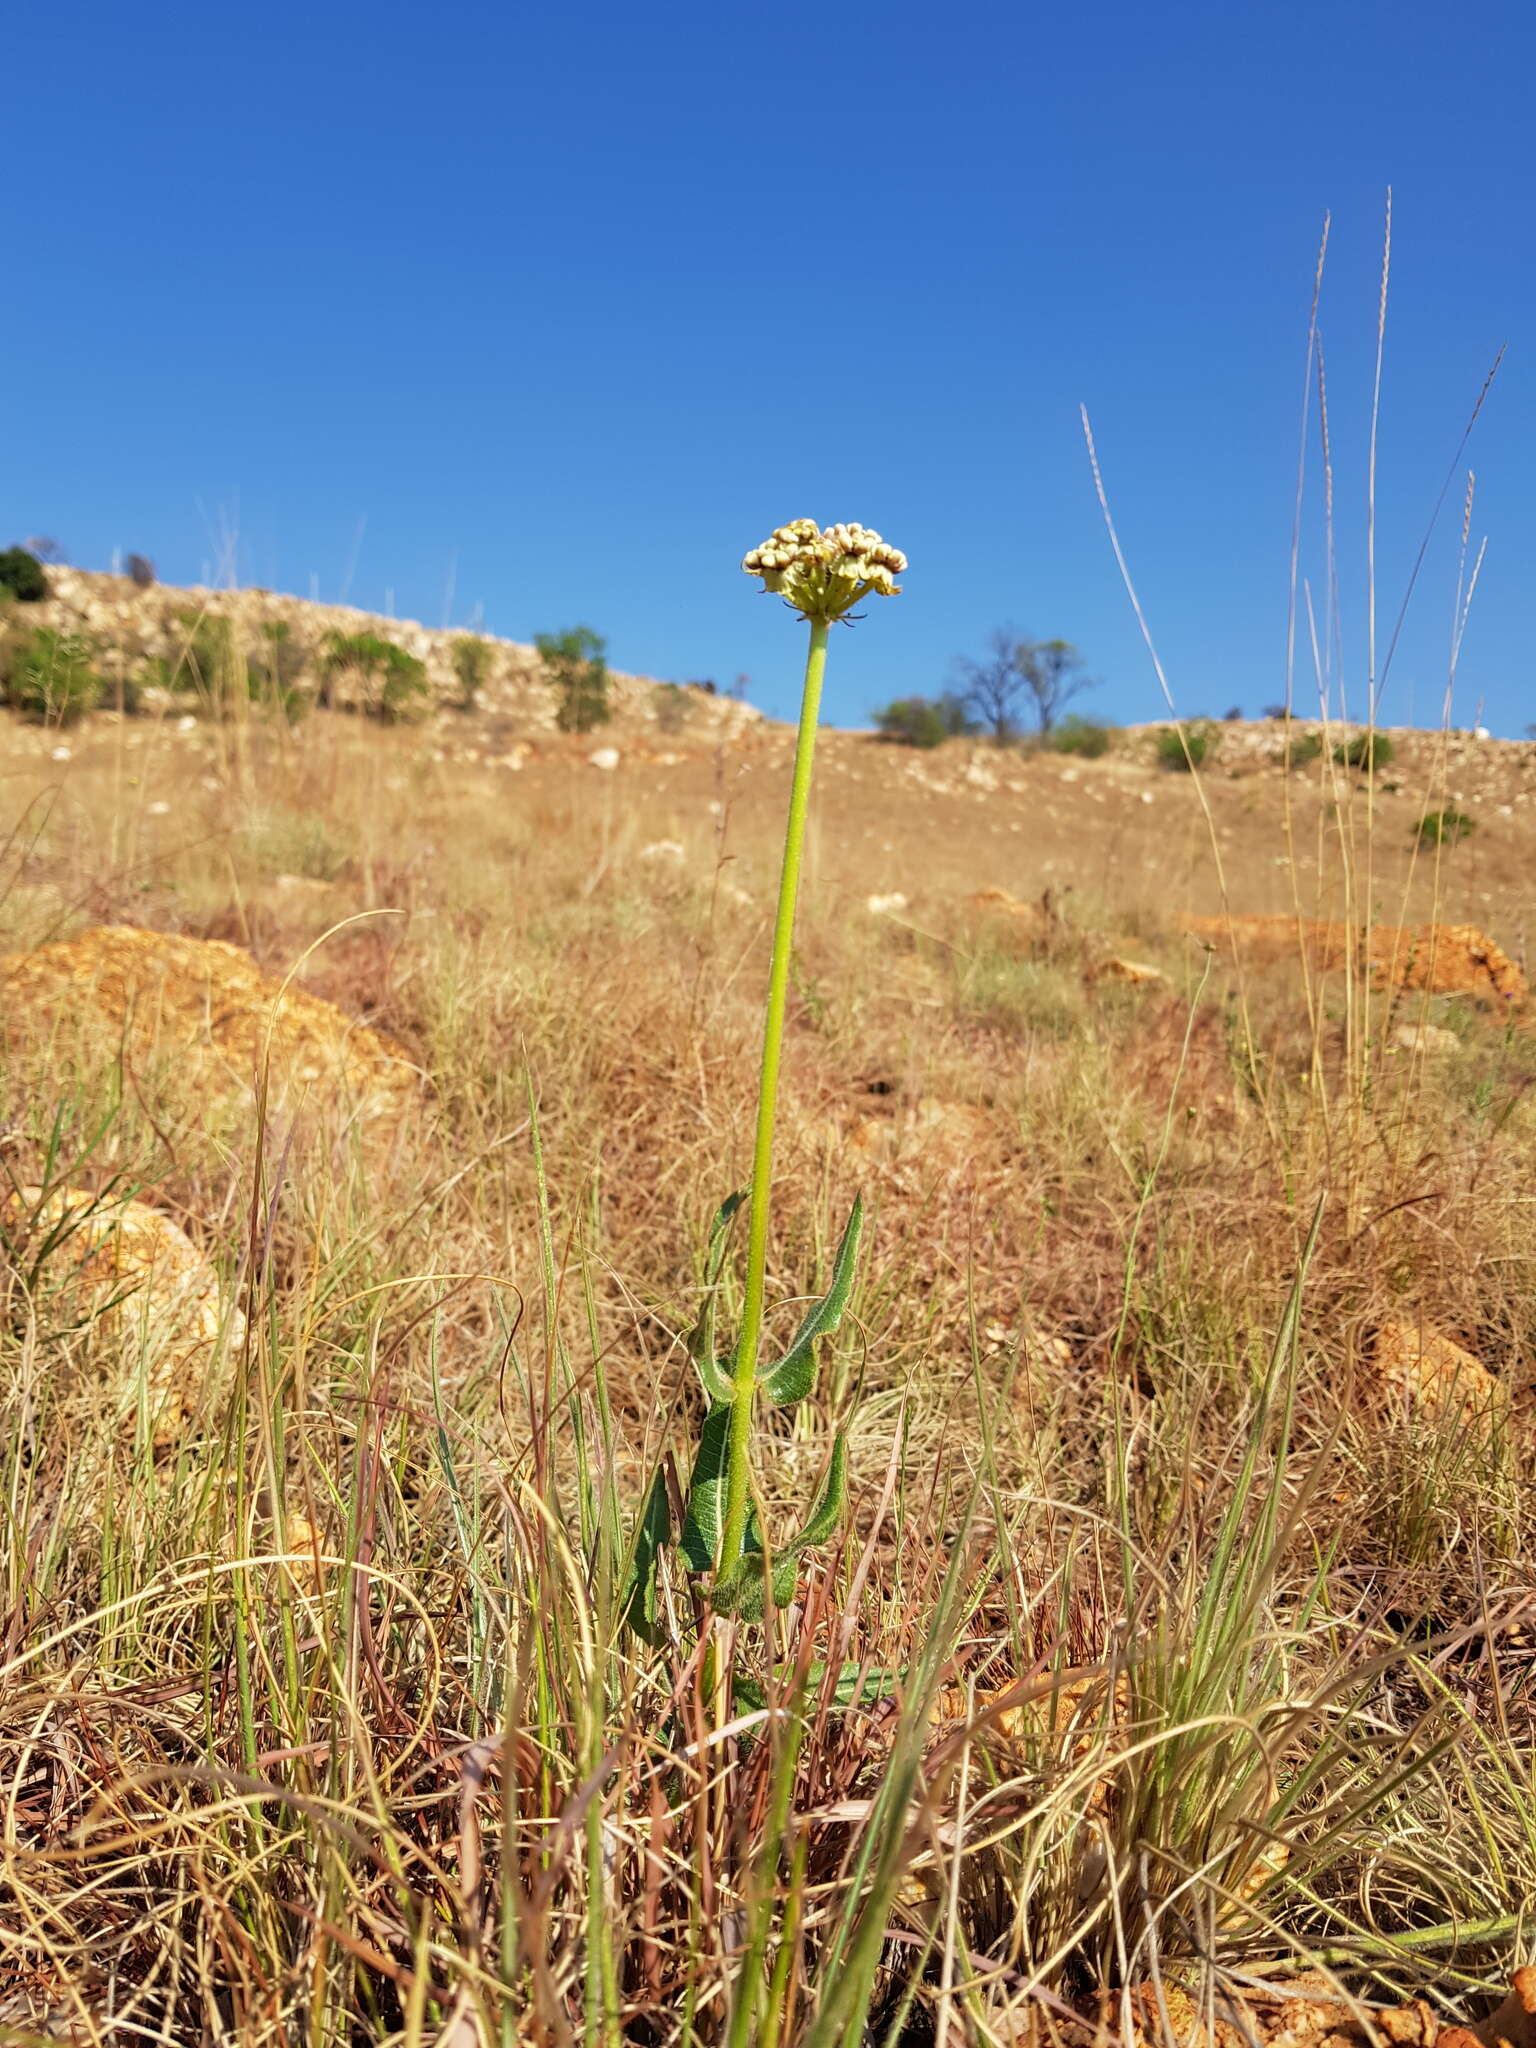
x=1514, y=2024
x=1303, y=2016
x=1000, y=903
x=304, y=1543
x=209, y=1005
x=1134, y=972
x=129, y=1269
x=1442, y=959
x=1420, y=1364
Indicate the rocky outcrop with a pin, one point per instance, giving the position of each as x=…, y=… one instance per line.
x=207, y=1006
x=132, y=631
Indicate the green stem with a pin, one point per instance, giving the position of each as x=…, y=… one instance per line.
x=737, y=1469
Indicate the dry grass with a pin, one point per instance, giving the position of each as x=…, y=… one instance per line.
x=1188, y=1646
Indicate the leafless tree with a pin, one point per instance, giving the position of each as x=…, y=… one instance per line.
x=1053, y=674
x=1039, y=678
x=993, y=688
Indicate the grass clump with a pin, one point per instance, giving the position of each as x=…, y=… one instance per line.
x=1367, y=752
x=576, y=666
x=278, y=670
x=473, y=659
x=1300, y=749
x=1181, y=749
x=1089, y=738
x=206, y=664
x=50, y=677
x=1443, y=828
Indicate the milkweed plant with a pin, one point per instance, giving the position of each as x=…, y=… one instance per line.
x=821, y=576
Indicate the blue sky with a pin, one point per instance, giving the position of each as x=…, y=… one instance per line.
x=556, y=310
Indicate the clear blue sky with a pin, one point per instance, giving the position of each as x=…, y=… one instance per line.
x=568, y=305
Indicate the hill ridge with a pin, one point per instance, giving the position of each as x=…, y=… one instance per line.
x=130, y=628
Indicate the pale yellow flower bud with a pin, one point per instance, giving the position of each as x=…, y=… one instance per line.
x=824, y=575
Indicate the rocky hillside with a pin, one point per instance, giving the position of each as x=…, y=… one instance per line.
x=131, y=632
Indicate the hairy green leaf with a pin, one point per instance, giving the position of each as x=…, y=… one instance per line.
x=700, y=1540
x=791, y=1379
x=652, y=1534
x=830, y=1502
x=701, y=1344
x=742, y=1593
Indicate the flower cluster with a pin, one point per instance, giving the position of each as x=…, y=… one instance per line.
x=824, y=575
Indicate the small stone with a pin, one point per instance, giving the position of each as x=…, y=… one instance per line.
x=606, y=758
x=1134, y=972
x=1425, y=1038
x=1419, y=1364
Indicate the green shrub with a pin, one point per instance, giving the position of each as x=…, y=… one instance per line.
x=1183, y=748
x=574, y=663
x=276, y=669
x=1301, y=748
x=23, y=575
x=925, y=721
x=1366, y=751
x=1443, y=828
x=911, y=722
x=1089, y=738
x=49, y=677
x=205, y=664
x=472, y=662
x=394, y=683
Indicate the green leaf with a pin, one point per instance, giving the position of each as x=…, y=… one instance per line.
x=747, y=1696
x=652, y=1534
x=715, y=1377
x=701, y=1344
x=855, y=1686
x=700, y=1539
x=831, y=1502
x=742, y=1594
x=786, y=1579
x=792, y=1378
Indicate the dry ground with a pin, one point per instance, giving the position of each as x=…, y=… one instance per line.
x=1088, y=1201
